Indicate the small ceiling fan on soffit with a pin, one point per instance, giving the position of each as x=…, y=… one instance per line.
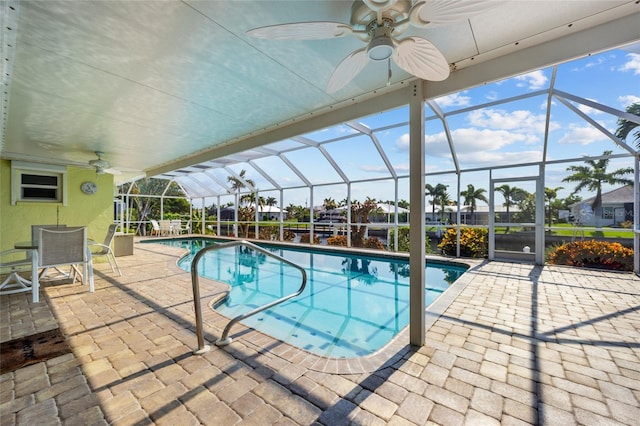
x=102, y=166
x=379, y=23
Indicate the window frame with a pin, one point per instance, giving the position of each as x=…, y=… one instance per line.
x=21, y=168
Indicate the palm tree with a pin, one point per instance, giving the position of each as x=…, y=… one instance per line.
x=443, y=200
x=511, y=194
x=238, y=184
x=435, y=192
x=594, y=175
x=625, y=126
x=471, y=195
x=329, y=203
x=551, y=194
x=271, y=202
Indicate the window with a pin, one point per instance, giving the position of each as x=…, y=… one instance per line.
x=607, y=212
x=34, y=182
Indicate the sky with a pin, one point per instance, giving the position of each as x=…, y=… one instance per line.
x=495, y=134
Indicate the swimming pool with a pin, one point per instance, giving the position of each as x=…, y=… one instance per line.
x=352, y=306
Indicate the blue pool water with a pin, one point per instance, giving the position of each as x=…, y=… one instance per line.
x=352, y=306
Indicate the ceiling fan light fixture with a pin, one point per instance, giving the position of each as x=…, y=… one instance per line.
x=381, y=46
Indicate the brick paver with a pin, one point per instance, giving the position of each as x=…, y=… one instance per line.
x=519, y=344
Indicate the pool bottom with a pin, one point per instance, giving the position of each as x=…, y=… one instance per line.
x=360, y=302
x=253, y=341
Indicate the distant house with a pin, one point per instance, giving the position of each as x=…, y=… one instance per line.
x=264, y=213
x=480, y=215
x=617, y=207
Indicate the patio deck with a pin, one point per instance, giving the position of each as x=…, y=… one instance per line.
x=519, y=344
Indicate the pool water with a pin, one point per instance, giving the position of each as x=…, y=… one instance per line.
x=352, y=305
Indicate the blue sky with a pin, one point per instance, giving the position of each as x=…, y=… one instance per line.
x=499, y=134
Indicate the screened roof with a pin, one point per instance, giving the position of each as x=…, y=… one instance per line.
x=547, y=116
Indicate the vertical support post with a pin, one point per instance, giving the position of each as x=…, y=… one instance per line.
x=256, y=227
x=458, y=217
x=311, y=230
x=218, y=215
x=281, y=215
x=235, y=223
x=539, y=217
x=416, y=222
x=395, y=220
x=349, y=214
x=636, y=216
x=203, y=225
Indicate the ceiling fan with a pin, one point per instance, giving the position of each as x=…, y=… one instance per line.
x=379, y=23
x=102, y=166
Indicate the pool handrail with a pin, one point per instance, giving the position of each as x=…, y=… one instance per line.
x=195, y=281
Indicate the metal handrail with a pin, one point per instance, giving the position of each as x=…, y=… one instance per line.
x=195, y=280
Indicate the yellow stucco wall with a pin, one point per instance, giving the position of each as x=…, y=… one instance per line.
x=94, y=211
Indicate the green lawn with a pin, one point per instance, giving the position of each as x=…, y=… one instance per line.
x=591, y=232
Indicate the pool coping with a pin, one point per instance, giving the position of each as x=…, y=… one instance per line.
x=261, y=342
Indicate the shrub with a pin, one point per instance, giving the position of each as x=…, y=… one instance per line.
x=593, y=254
x=373, y=243
x=404, y=242
x=337, y=240
x=341, y=241
x=474, y=242
x=305, y=238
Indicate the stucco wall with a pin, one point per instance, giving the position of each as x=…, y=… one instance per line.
x=94, y=211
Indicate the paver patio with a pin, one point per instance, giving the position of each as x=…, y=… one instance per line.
x=516, y=344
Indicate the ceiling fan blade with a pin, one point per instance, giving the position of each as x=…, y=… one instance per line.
x=113, y=171
x=435, y=13
x=302, y=31
x=347, y=70
x=421, y=58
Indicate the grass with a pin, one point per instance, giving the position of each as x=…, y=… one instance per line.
x=568, y=231
x=591, y=232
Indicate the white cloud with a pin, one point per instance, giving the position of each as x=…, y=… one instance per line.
x=403, y=142
x=597, y=62
x=374, y=169
x=472, y=140
x=627, y=100
x=535, y=80
x=484, y=144
x=588, y=110
x=492, y=95
x=455, y=99
x=483, y=158
x=633, y=64
x=518, y=120
x=582, y=135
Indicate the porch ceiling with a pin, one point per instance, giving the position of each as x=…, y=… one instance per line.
x=163, y=85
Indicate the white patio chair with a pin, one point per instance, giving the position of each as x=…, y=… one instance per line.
x=13, y=263
x=35, y=235
x=155, y=227
x=186, y=228
x=175, y=226
x=66, y=247
x=104, y=249
x=165, y=227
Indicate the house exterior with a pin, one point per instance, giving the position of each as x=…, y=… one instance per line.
x=617, y=207
x=480, y=215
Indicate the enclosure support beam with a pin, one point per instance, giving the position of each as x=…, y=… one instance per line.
x=416, y=220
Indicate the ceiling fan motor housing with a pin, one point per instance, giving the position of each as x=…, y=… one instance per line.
x=381, y=46
x=363, y=18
